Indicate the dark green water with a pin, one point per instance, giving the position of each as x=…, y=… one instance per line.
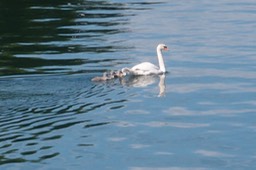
x=201, y=115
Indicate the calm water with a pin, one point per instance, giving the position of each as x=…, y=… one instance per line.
x=201, y=115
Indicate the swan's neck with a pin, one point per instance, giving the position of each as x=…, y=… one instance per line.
x=160, y=60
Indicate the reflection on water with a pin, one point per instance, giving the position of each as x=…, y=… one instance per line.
x=53, y=117
x=144, y=81
x=45, y=27
x=46, y=30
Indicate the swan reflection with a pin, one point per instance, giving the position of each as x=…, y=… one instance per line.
x=144, y=81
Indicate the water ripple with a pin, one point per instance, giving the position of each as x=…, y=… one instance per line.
x=39, y=126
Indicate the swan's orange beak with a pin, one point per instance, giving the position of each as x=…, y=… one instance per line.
x=166, y=48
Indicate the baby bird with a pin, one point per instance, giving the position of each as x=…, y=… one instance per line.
x=103, y=78
x=109, y=75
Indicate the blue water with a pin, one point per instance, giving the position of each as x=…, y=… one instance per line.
x=199, y=116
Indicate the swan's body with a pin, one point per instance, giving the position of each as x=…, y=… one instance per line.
x=147, y=68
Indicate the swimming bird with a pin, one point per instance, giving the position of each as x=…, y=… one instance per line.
x=109, y=75
x=147, y=68
x=104, y=77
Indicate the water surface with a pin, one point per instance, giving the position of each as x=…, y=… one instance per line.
x=201, y=115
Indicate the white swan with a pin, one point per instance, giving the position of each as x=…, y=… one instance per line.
x=147, y=68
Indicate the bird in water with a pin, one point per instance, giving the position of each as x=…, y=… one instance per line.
x=145, y=68
x=109, y=75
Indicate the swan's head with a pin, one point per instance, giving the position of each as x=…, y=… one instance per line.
x=162, y=47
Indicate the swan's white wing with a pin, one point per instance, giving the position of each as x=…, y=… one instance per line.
x=145, y=68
